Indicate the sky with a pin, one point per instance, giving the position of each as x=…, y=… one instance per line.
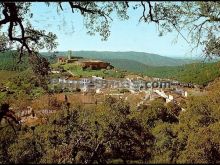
x=128, y=35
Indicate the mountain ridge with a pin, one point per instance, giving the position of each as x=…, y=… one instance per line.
x=141, y=57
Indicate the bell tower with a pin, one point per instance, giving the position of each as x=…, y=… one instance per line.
x=69, y=54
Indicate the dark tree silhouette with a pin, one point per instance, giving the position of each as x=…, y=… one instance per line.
x=9, y=115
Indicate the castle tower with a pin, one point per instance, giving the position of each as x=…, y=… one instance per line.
x=69, y=54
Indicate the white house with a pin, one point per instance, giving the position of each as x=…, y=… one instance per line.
x=169, y=99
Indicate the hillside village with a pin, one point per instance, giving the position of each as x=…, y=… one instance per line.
x=116, y=87
x=84, y=63
x=136, y=89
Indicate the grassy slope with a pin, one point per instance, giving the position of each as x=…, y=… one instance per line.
x=78, y=71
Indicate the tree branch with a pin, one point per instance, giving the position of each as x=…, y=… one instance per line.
x=82, y=9
x=150, y=12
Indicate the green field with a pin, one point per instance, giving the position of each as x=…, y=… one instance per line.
x=79, y=72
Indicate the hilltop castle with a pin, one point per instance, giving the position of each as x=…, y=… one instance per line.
x=85, y=63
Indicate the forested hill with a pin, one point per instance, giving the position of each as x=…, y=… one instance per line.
x=9, y=61
x=198, y=73
x=141, y=57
